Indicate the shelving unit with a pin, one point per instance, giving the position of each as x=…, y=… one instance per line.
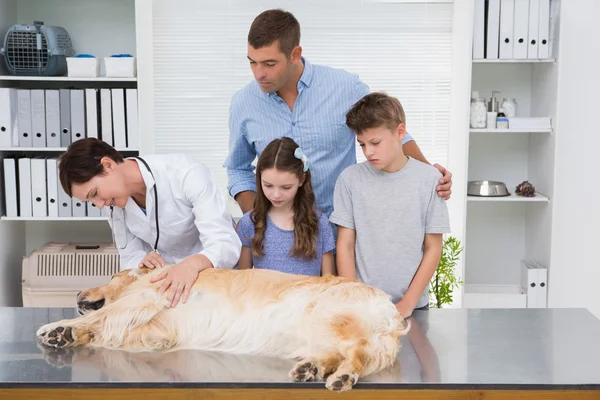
x=99, y=28
x=502, y=231
x=501, y=131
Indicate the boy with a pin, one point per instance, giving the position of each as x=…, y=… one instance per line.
x=390, y=219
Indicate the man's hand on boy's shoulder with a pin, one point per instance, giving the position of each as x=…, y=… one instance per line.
x=444, y=189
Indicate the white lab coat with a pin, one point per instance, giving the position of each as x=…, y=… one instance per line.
x=192, y=216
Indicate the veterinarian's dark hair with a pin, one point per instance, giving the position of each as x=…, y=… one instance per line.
x=81, y=162
x=279, y=154
x=374, y=110
x=275, y=25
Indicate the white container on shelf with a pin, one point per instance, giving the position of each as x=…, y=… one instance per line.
x=494, y=296
x=83, y=67
x=120, y=67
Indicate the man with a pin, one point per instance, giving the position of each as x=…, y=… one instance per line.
x=291, y=97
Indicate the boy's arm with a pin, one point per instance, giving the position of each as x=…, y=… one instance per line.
x=431, y=257
x=327, y=264
x=346, y=266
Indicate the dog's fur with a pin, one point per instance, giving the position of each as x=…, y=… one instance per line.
x=335, y=327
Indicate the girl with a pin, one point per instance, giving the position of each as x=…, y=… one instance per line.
x=285, y=231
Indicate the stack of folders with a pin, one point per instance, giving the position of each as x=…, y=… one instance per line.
x=55, y=118
x=32, y=189
x=534, y=281
x=512, y=29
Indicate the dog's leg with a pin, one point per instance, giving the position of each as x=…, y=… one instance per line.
x=106, y=327
x=315, y=368
x=355, y=362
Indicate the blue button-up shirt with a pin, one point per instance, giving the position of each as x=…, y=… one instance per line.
x=317, y=123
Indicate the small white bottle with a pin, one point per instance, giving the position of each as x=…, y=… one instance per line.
x=502, y=120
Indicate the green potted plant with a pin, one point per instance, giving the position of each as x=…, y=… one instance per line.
x=444, y=281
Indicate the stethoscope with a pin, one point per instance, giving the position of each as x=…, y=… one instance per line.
x=125, y=217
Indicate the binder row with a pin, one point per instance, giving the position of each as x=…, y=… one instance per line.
x=32, y=189
x=511, y=29
x=57, y=117
x=534, y=281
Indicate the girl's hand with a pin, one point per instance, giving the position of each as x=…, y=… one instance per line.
x=152, y=260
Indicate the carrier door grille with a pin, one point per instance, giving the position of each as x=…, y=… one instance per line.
x=77, y=264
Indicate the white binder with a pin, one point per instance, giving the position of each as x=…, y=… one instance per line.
x=65, y=207
x=25, y=206
x=9, y=133
x=24, y=106
x=118, y=112
x=52, y=179
x=479, y=30
x=38, y=117
x=10, y=187
x=521, y=29
x=38, y=187
x=93, y=211
x=91, y=112
x=544, y=30
x=53, y=118
x=131, y=100
x=534, y=16
x=65, y=117
x=77, y=115
x=106, y=116
x=78, y=208
x=493, y=30
x=507, y=18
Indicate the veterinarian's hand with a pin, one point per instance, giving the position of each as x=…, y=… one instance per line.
x=444, y=189
x=179, y=280
x=404, y=308
x=152, y=260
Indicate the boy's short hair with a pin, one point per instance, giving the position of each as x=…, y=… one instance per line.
x=374, y=110
x=275, y=25
x=81, y=162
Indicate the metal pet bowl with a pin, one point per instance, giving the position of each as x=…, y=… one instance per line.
x=487, y=189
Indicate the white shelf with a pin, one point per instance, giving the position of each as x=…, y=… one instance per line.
x=513, y=198
x=64, y=78
x=513, y=61
x=495, y=131
x=54, y=218
x=47, y=149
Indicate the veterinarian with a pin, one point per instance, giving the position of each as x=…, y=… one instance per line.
x=291, y=97
x=164, y=209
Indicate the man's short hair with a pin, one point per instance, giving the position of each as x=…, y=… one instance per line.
x=275, y=25
x=374, y=110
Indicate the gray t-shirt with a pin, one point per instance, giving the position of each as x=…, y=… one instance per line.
x=391, y=213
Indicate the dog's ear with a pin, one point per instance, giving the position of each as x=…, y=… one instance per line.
x=144, y=270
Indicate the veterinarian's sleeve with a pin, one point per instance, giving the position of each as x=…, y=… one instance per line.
x=342, y=214
x=220, y=242
x=437, y=219
x=240, y=171
x=135, y=249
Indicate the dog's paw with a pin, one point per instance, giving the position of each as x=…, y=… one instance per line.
x=341, y=382
x=56, y=336
x=304, y=371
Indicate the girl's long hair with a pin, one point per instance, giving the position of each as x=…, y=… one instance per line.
x=279, y=154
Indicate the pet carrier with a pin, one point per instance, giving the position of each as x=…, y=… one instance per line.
x=53, y=275
x=36, y=49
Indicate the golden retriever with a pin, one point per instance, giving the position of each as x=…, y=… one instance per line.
x=336, y=328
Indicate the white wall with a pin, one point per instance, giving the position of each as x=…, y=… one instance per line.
x=575, y=270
